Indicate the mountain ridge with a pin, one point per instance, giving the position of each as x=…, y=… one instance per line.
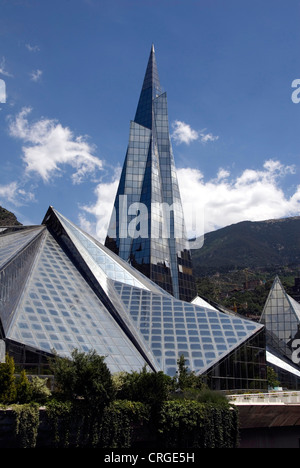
x=249, y=244
x=7, y=218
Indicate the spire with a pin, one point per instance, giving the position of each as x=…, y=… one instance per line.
x=151, y=79
x=150, y=90
x=158, y=247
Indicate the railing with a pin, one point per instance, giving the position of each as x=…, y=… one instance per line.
x=271, y=398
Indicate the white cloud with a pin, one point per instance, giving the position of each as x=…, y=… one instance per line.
x=8, y=192
x=36, y=75
x=3, y=70
x=254, y=195
x=14, y=194
x=101, y=210
x=222, y=174
x=183, y=133
x=31, y=48
x=205, y=137
x=48, y=146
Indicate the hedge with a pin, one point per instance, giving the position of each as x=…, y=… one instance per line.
x=182, y=424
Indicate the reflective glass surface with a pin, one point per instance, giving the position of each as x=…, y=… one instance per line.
x=243, y=368
x=63, y=290
x=159, y=249
x=172, y=327
x=14, y=271
x=12, y=242
x=281, y=314
x=108, y=265
x=58, y=310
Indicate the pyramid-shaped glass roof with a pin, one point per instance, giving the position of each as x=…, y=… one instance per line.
x=75, y=293
x=13, y=240
x=281, y=314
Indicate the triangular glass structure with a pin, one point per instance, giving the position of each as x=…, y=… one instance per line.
x=58, y=310
x=172, y=328
x=12, y=240
x=76, y=293
x=18, y=250
x=147, y=227
x=281, y=314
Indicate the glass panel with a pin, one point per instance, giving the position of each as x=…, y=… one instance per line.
x=90, y=326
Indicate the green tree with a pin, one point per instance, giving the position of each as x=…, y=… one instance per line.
x=84, y=376
x=272, y=378
x=147, y=387
x=23, y=388
x=39, y=389
x=185, y=378
x=8, y=390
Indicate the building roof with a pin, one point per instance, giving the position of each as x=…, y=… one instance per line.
x=61, y=289
x=281, y=314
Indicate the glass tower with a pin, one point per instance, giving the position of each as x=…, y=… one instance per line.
x=147, y=226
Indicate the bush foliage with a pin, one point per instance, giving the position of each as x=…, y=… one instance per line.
x=89, y=408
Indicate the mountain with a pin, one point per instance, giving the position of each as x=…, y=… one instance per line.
x=265, y=245
x=7, y=218
x=238, y=264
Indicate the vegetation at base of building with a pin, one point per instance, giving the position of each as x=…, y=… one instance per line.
x=90, y=408
x=85, y=376
x=189, y=423
x=273, y=381
x=20, y=389
x=26, y=424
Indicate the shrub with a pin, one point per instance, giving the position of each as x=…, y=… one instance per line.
x=27, y=423
x=146, y=387
x=190, y=424
x=84, y=376
x=23, y=388
x=8, y=391
x=185, y=378
x=39, y=390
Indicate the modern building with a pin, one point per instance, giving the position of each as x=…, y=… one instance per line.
x=61, y=289
x=133, y=300
x=147, y=226
x=296, y=289
x=281, y=317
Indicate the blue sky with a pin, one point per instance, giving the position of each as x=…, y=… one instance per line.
x=72, y=71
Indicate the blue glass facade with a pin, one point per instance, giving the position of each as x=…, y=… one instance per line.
x=147, y=227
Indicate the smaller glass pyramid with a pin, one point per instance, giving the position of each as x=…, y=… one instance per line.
x=281, y=314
